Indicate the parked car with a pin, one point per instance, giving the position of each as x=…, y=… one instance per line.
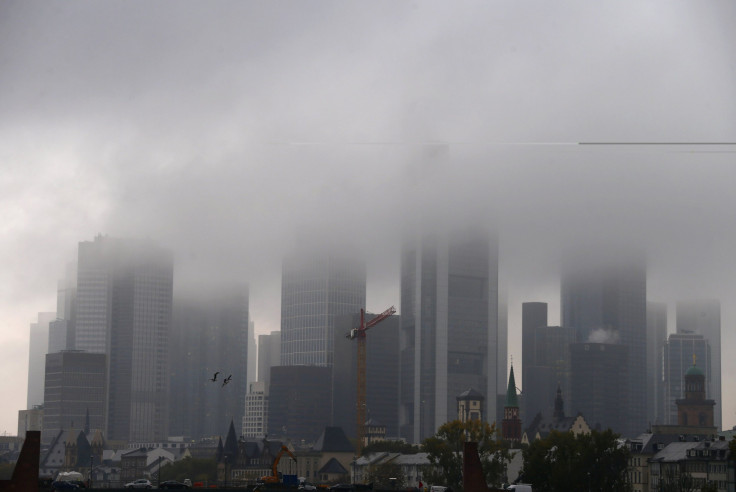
x=172, y=484
x=306, y=486
x=141, y=483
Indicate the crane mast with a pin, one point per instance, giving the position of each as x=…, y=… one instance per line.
x=360, y=404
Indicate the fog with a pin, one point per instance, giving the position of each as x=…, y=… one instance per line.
x=229, y=132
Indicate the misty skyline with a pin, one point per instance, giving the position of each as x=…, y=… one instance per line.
x=223, y=131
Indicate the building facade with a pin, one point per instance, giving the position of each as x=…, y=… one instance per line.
x=315, y=289
x=599, y=384
x=656, y=341
x=75, y=392
x=269, y=355
x=210, y=335
x=604, y=299
x=704, y=318
x=299, y=402
x=449, y=328
x=37, y=350
x=255, y=420
x=124, y=303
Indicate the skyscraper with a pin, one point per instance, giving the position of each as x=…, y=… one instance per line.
x=124, y=302
x=314, y=289
x=704, y=317
x=679, y=352
x=269, y=355
x=37, y=349
x=656, y=340
x=449, y=328
x=604, y=299
x=533, y=316
x=210, y=335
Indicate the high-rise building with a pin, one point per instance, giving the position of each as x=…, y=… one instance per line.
x=75, y=392
x=656, y=340
x=548, y=369
x=255, y=420
x=533, y=316
x=679, y=352
x=37, y=350
x=449, y=328
x=210, y=335
x=382, y=371
x=252, y=353
x=604, y=300
x=600, y=384
x=61, y=330
x=299, y=402
x=503, y=350
x=124, y=302
x=704, y=317
x=315, y=289
x=269, y=355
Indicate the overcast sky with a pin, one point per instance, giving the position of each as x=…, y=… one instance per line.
x=221, y=129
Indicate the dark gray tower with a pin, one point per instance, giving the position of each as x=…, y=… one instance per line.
x=533, y=315
x=604, y=299
x=656, y=341
x=449, y=327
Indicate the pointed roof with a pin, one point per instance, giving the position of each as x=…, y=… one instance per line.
x=511, y=399
x=333, y=467
x=559, y=413
x=333, y=440
x=231, y=444
x=470, y=394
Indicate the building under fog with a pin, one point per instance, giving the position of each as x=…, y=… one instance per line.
x=382, y=374
x=314, y=289
x=269, y=355
x=75, y=392
x=604, y=292
x=656, y=341
x=600, y=373
x=299, y=402
x=449, y=328
x=37, y=350
x=704, y=317
x=124, y=302
x=682, y=351
x=255, y=420
x=210, y=335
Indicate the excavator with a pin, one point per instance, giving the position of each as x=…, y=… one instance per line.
x=274, y=477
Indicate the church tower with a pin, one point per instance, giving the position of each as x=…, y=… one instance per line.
x=511, y=424
x=694, y=409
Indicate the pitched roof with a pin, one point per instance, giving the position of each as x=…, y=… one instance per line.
x=470, y=394
x=333, y=467
x=511, y=398
x=333, y=440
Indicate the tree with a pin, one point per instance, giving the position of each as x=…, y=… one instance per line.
x=195, y=469
x=445, y=452
x=381, y=476
x=563, y=461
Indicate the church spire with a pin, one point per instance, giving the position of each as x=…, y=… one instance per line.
x=511, y=398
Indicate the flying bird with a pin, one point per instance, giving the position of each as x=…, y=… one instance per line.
x=227, y=380
x=214, y=378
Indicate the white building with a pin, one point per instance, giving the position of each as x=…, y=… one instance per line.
x=255, y=420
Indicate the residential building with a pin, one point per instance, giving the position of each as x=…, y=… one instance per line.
x=449, y=328
x=703, y=317
x=314, y=289
x=382, y=371
x=543, y=423
x=255, y=421
x=604, y=299
x=124, y=303
x=75, y=392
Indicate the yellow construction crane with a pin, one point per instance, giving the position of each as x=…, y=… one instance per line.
x=359, y=333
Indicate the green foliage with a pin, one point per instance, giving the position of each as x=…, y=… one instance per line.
x=195, y=469
x=564, y=461
x=672, y=480
x=445, y=453
x=391, y=447
x=381, y=474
